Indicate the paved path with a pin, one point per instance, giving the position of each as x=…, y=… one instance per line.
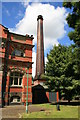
x=15, y=110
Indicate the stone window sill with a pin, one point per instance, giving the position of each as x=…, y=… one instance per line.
x=19, y=86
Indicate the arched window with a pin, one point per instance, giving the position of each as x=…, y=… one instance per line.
x=16, y=79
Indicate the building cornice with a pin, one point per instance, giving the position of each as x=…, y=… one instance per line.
x=4, y=26
x=22, y=43
x=26, y=36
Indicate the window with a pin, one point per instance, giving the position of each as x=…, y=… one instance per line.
x=16, y=79
x=18, y=53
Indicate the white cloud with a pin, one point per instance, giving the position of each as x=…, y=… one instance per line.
x=53, y=24
x=20, y=14
x=46, y=60
x=25, y=3
x=34, y=65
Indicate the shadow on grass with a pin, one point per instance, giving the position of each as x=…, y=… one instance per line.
x=72, y=103
x=40, y=119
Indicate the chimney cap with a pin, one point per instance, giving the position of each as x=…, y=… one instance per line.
x=40, y=17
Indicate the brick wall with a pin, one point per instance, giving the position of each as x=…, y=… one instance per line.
x=16, y=63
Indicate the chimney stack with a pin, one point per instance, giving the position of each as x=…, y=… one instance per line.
x=40, y=49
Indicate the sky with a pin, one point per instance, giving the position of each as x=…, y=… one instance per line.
x=21, y=17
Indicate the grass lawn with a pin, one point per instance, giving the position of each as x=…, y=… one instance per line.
x=51, y=112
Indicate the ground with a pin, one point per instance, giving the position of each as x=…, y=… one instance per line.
x=15, y=111
x=50, y=111
x=40, y=111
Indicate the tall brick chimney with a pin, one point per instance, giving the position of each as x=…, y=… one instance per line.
x=40, y=49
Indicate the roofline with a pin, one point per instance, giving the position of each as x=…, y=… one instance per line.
x=28, y=36
x=3, y=26
x=17, y=34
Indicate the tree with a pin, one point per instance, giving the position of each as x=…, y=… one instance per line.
x=63, y=66
x=73, y=20
x=61, y=72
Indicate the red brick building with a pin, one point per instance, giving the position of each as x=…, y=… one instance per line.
x=15, y=58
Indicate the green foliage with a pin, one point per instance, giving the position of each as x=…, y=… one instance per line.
x=62, y=72
x=73, y=20
x=63, y=66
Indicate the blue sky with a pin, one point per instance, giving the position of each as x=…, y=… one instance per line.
x=10, y=11
x=15, y=14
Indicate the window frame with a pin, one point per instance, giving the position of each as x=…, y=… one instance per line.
x=13, y=76
x=19, y=53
